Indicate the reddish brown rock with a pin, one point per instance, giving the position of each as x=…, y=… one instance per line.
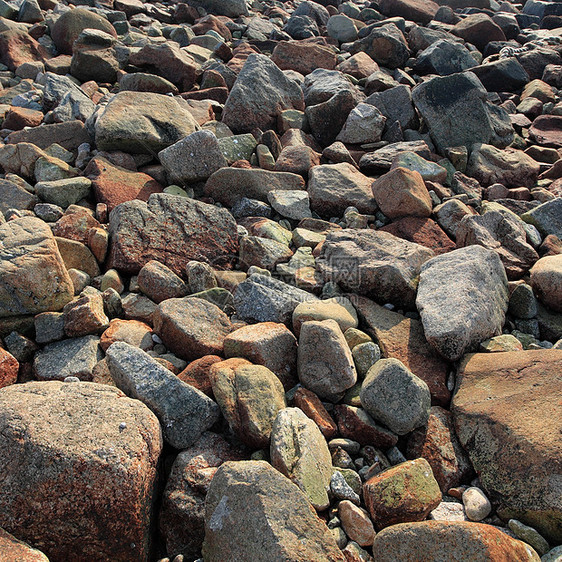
x=311, y=405
x=507, y=415
x=446, y=540
x=406, y=492
x=19, y=117
x=182, y=517
x=77, y=256
x=479, y=29
x=357, y=424
x=269, y=344
x=133, y=332
x=106, y=447
x=297, y=159
x=212, y=23
x=402, y=193
x=420, y=11
x=192, y=327
x=303, y=57
x=421, y=231
x=85, y=316
x=12, y=549
x=547, y=130
x=18, y=47
x=75, y=226
x=360, y=65
x=197, y=373
x=437, y=443
x=70, y=135
x=113, y=184
x=9, y=367
x=403, y=338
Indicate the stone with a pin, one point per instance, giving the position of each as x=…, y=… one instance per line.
x=249, y=504
x=263, y=252
x=303, y=57
x=15, y=197
x=33, y=278
x=110, y=443
x=191, y=327
x=269, y=344
x=386, y=45
x=321, y=85
x=423, y=231
x=77, y=255
x=68, y=134
x=229, y=8
x=412, y=10
x=171, y=230
x=356, y=523
x=160, y=283
x=64, y=192
x=182, y=516
x=359, y=65
x=477, y=506
x=396, y=105
x=13, y=549
x=338, y=309
x=341, y=28
x=18, y=47
x=133, y=332
x=502, y=75
x=364, y=124
x=85, y=315
x=113, y=184
x=300, y=452
x=505, y=407
x=547, y=217
x=393, y=395
x=462, y=540
x=529, y=535
x=229, y=185
x=143, y=82
x=311, y=405
x=375, y=264
x=334, y=187
x=9, y=367
x=325, y=364
x=193, y=158
x=143, y=122
x=444, y=57
x=479, y=29
x=258, y=96
x=449, y=215
x=546, y=279
x=184, y=412
x=292, y=204
x=404, y=493
x=456, y=317
x=402, y=192
x=545, y=130
x=445, y=101
x=356, y=423
x=250, y=397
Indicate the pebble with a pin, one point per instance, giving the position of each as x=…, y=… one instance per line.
x=477, y=506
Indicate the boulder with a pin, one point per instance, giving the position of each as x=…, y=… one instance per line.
x=479, y=29
x=505, y=410
x=419, y=11
x=444, y=57
x=303, y=57
x=386, y=45
x=462, y=299
x=110, y=445
x=546, y=280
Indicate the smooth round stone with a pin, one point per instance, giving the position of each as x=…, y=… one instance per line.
x=365, y=356
x=477, y=506
x=346, y=444
x=342, y=28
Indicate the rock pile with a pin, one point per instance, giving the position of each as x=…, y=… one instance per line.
x=280, y=281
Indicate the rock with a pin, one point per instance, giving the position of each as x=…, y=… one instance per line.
x=15, y=197
x=359, y=65
x=171, y=230
x=423, y=231
x=303, y=57
x=229, y=185
x=133, y=332
x=70, y=24
x=291, y=204
x=229, y=8
x=429, y=171
x=266, y=299
x=513, y=432
x=364, y=124
x=169, y=61
x=334, y=187
x=396, y=105
x=300, y=452
x=456, y=317
x=192, y=159
x=76, y=255
x=545, y=130
x=529, y=535
x=356, y=523
x=430, y=540
x=110, y=444
x=445, y=101
x=444, y=57
x=402, y=192
x=393, y=395
x=450, y=214
x=403, y=338
x=338, y=309
x=269, y=344
x=386, y=45
x=341, y=28
x=373, y=264
x=355, y=423
x=325, y=364
x=546, y=217
x=64, y=192
x=438, y=444
x=182, y=516
x=260, y=93
x=33, y=278
x=13, y=549
x=9, y=367
x=160, y=283
x=143, y=122
x=321, y=85
x=412, y=10
x=502, y=233
x=311, y=405
x=249, y=396
x=18, y=47
x=114, y=184
x=263, y=252
x=250, y=501
x=85, y=315
x=404, y=493
x=512, y=168
x=184, y=412
x=478, y=29
x=477, y=506
x=546, y=277
x=93, y=57
x=191, y=327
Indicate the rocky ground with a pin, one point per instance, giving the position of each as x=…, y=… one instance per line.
x=280, y=281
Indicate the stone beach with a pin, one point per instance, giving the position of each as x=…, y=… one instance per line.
x=280, y=280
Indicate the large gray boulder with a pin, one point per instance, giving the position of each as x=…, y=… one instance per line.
x=462, y=299
x=457, y=112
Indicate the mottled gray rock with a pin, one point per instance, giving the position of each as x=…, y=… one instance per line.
x=546, y=217
x=364, y=124
x=64, y=192
x=393, y=395
x=184, y=412
x=443, y=58
x=159, y=282
x=74, y=357
x=462, y=299
x=396, y=105
x=229, y=8
x=247, y=510
x=13, y=196
x=386, y=45
x=67, y=100
x=299, y=451
x=322, y=84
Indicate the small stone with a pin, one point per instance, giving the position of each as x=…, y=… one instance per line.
x=85, y=316
x=365, y=355
x=341, y=490
x=311, y=405
x=529, y=535
x=159, y=282
x=356, y=523
x=290, y=204
x=477, y=506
